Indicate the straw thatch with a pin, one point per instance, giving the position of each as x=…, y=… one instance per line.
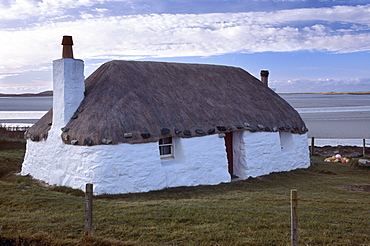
x=136, y=102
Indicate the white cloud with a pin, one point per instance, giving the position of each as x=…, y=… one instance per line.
x=321, y=85
x=3, y=76
x=175, y=35
x=24, y=9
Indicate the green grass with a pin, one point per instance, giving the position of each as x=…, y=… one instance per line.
x=333, y=210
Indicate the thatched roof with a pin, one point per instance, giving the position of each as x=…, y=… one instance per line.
x=136, y=102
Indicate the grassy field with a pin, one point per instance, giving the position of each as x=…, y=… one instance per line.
x=333, y=210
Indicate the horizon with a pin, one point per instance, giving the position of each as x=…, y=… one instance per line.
x=329, y=93
x=307, y=46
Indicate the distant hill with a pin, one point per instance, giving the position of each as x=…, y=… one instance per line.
x=41, y=94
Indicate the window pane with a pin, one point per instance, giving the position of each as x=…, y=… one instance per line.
x=166, y=141
x=166, y=150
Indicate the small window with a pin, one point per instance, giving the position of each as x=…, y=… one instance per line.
x=286, y=140
x=166, y=147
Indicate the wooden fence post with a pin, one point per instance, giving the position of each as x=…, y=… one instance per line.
x=312, y=145
x=88, y=209
x=363, y=147
x=294, y=217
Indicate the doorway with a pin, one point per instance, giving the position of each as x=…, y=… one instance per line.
x=229, y=151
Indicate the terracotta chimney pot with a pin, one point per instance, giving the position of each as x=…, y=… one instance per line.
x=67, y=43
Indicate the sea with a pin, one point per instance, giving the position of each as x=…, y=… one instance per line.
x=332, y=119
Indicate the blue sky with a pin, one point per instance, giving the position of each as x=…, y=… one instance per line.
x=307, y=45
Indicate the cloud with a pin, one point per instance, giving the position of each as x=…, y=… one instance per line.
x=176, y=35
x=24, y=9
x=3, y=76
x=26, y=82
x=321, y=85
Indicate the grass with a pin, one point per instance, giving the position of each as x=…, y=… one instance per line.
x=333, y=210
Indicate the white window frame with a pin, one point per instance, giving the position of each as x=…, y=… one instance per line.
x=162, y=145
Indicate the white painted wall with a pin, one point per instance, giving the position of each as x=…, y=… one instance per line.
x=122, y=168
x=261, y=153
x=197, y=161
x=127, y=168
x=131, y=168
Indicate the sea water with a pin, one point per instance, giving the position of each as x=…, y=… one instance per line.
x=340, y=119
x=23, y=111
x=332, y=119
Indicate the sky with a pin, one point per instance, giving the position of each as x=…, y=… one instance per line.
x=307, y=45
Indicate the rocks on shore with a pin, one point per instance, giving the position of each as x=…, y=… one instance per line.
x=364, y=163
x=345, y=151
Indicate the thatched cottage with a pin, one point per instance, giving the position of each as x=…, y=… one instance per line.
x=136, y=126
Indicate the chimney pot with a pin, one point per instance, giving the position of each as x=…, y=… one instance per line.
x=67, y=43
x=264, y=73
x=264, y=77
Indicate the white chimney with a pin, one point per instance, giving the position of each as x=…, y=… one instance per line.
x=68, y=85
x=265, y=77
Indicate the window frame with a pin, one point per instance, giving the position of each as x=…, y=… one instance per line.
x=164, y=145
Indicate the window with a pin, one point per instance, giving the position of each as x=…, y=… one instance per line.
x=166, y=147
x=286, y=140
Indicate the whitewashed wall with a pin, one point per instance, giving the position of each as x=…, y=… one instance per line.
x=123, y=168
x=126, y=168
x=262, y=153
x=198, y=161
x=131, y=168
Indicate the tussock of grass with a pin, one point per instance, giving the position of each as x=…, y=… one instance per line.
x=11, y=155
x=68, y=191
x=333, y=210
x=11, y=161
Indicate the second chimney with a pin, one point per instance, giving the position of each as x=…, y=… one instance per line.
x=265, y=77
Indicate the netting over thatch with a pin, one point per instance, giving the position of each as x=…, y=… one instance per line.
x=136, y=102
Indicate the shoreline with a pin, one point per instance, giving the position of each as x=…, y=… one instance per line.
x=50, y=93
x=335, y=142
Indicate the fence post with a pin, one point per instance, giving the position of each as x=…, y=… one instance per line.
x=363, y=147
x=88, y=209
x=294, y=217
x=312, y=145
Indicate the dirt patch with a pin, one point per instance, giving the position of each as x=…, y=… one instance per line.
x=364, y=187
